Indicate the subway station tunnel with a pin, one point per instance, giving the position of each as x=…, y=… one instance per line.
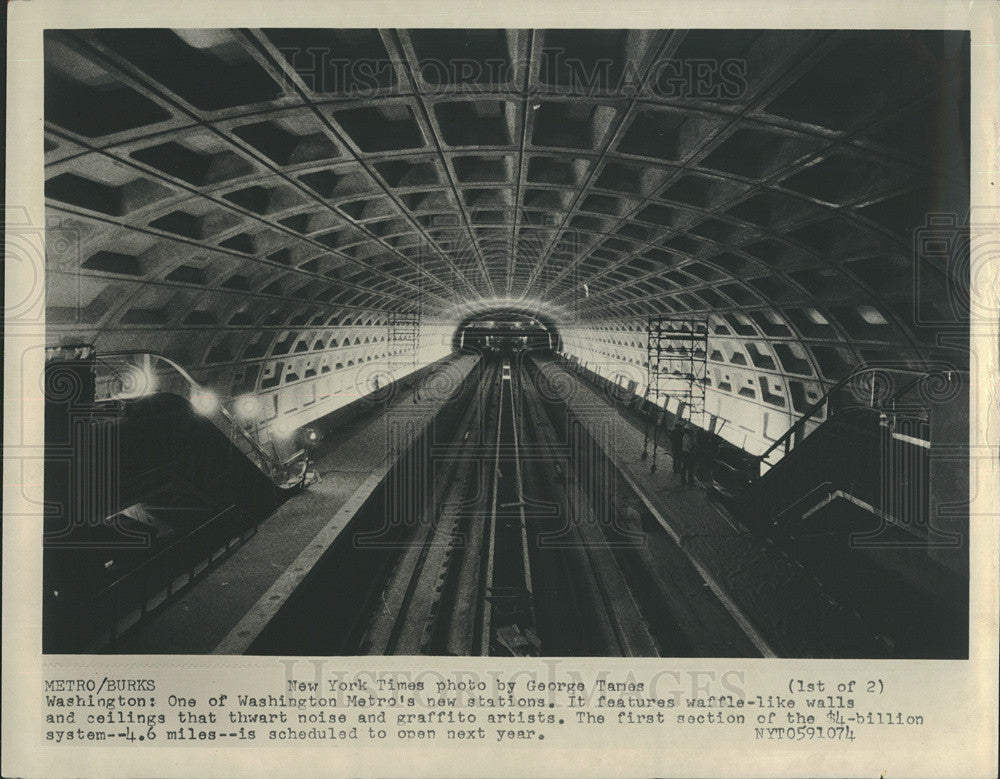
x=393, y=341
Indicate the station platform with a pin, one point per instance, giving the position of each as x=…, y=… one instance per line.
x=784, y=609
x=352, y=461
x=780, y=606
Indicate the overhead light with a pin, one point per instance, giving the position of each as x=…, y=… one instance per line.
x=281, y=428
x=204, y=400
x=138, y=382
x=248, y=407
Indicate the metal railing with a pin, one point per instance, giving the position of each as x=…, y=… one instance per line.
x=131, y=597
x=880, y=399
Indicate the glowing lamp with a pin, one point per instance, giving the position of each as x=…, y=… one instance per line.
x=138, y=383
x=248, y=407
x=280, y=428
x=204, y=401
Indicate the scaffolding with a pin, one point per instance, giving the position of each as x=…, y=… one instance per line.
x=403, y=344
x=676, y=368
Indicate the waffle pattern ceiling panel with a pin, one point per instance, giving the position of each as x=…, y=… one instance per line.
x=239, y=186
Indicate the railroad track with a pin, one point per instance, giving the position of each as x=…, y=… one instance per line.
x=463, y=584
x=609, y=620
x=524, y=550
x=425, y=606
x=508, y=601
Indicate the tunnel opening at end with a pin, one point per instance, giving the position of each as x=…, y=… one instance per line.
x=507, y=328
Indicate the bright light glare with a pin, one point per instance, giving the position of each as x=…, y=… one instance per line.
x=248, y=407
x=138, y=383
x=204, y=400
x=281, y=429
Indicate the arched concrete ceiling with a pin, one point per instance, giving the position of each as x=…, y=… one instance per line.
x=210, y=186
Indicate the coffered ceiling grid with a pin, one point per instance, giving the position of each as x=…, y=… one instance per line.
x=293, y=76
x=218, y=128
x=279, y=170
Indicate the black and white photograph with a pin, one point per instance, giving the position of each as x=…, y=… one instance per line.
x=501, y=390
x=507, y=342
